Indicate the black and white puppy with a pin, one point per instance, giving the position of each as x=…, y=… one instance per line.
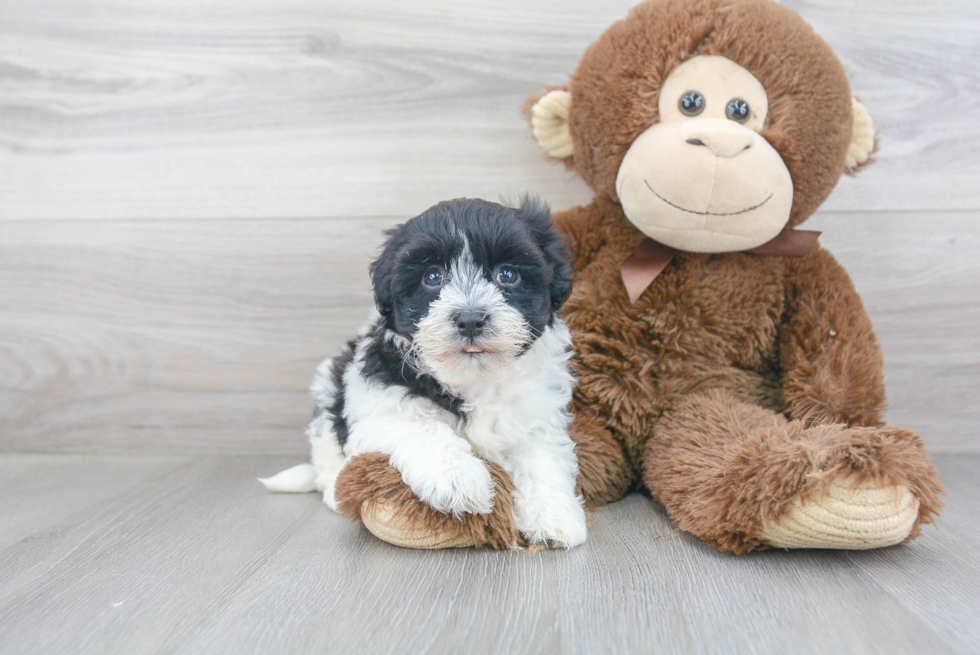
x=466, y=359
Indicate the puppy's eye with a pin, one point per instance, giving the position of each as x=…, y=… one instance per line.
x=433, y=278
x=507, y=276
x=691, y=103
x=737, y=110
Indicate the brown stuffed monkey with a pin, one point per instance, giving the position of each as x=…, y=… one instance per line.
x=725, y=363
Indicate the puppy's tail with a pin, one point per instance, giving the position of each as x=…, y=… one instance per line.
x=298, y=480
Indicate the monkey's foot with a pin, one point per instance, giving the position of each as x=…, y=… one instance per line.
x=370, y=490
x=386, y=523
x=847, y=515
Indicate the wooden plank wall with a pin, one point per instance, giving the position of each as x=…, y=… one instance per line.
x=190, y=194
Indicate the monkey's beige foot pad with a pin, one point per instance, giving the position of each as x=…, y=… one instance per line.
x=408, y=531
x=850, y=516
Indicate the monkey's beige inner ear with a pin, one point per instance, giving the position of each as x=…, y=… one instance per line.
x=862, y=136
x=549, y=121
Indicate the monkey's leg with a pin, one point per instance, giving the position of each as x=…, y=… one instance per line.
x=371, y=491
x=741, y=477
x=604, y=474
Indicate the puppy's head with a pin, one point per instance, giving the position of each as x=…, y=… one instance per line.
x=471, y=284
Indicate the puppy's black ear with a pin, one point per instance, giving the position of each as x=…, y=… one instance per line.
x=537, y=216
x=382, y=272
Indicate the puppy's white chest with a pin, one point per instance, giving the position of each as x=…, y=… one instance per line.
x=493, y=426
x=510, y=413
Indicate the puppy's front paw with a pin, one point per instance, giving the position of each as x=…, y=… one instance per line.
x=554, y=521
x=460, y=486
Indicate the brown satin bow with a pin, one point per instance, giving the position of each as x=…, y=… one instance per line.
x=642, y=267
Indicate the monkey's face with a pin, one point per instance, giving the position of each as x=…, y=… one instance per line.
x=703, y=179
x=714, y=124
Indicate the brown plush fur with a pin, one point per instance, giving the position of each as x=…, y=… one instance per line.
x=736, y=382
x=370, y=478
x=615, y=88
x=723, y=468
x=604, y=471
x=698, y=378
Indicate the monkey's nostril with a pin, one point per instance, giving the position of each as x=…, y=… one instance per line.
x=695, y=142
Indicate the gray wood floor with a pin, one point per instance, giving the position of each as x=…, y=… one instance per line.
x=178, y=554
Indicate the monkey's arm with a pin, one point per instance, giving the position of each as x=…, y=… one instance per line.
x=582, y=227
x=830, y=359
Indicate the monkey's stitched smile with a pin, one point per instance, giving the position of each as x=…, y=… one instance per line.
x=691, y=211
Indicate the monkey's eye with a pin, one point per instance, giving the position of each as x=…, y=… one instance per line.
x=433, y=278
x=737, y=110
x=691, y=103
x=507, y=276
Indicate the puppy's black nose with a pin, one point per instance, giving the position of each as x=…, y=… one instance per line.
x=471, y=324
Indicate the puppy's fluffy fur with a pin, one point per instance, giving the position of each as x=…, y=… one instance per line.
x=465, y=361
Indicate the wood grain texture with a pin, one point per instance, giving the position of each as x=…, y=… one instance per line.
x=173, y=336
x=193, y=556
x=202, y=336
x=119, y=334
x=919, y=277
x=245, y=108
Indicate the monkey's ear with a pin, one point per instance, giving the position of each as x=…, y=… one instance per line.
x=549, y=120
x=863, y=140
